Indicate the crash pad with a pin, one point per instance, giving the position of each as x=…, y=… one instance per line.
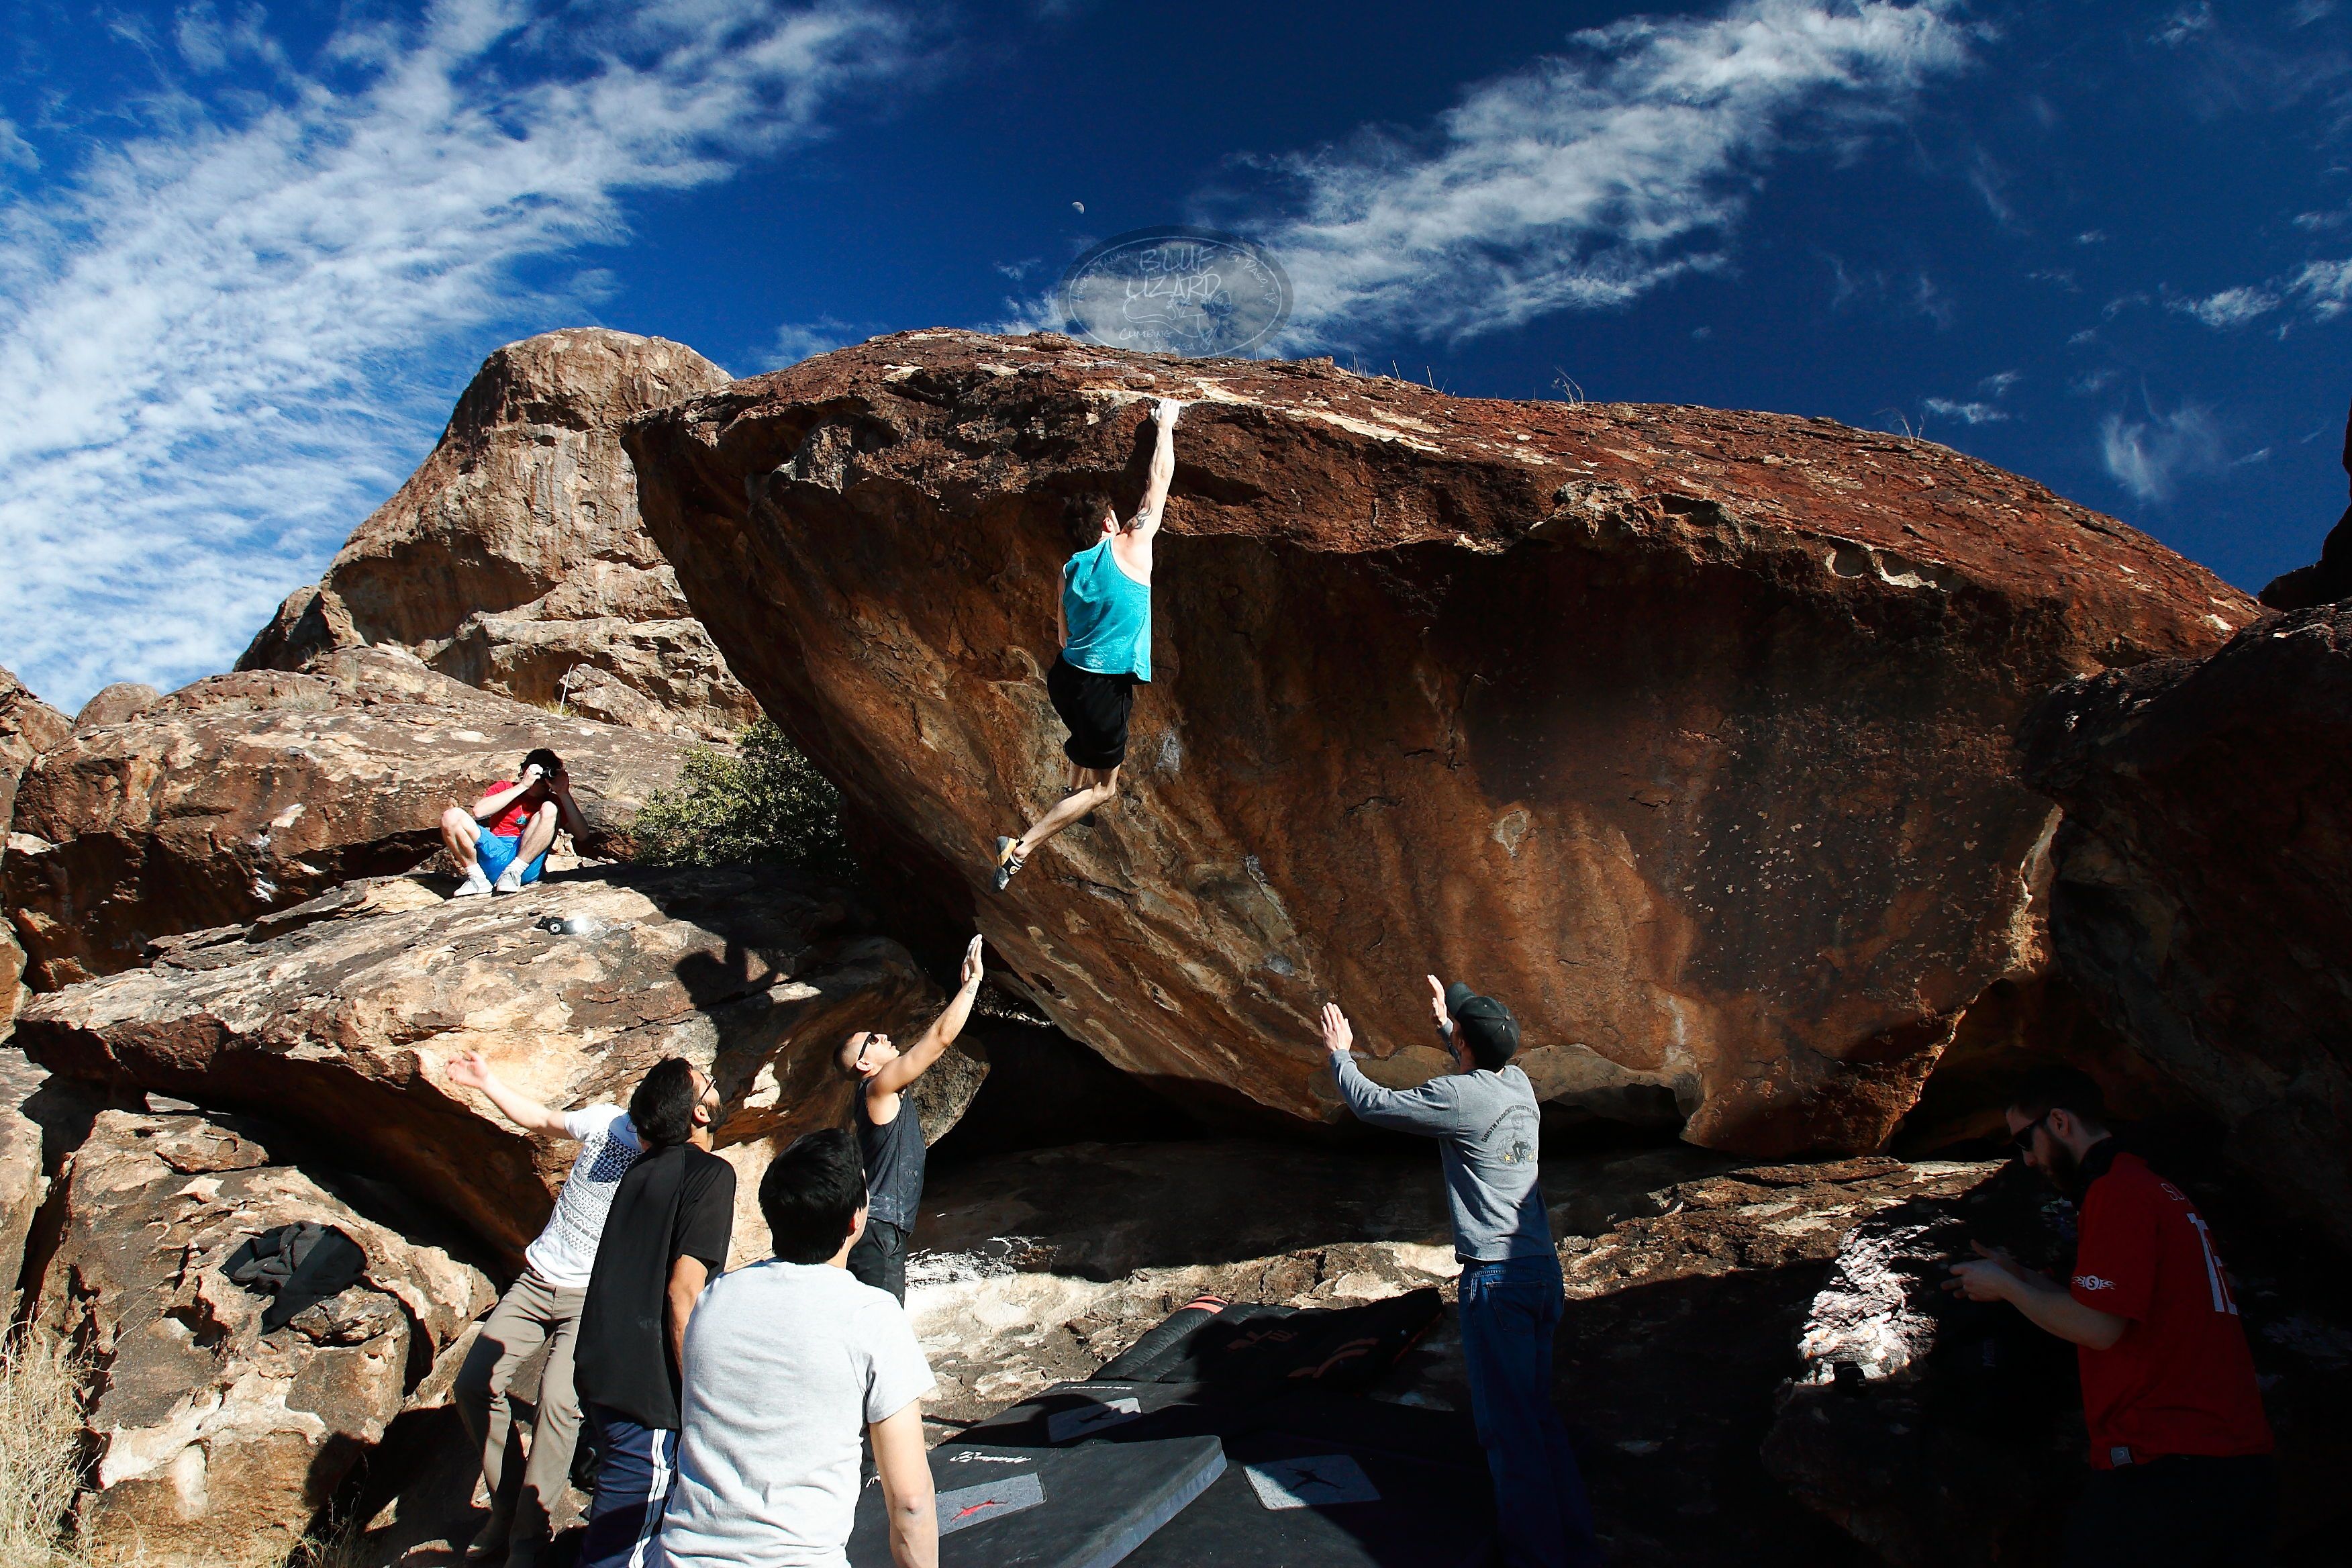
x=1319, y=1498
x=1071, y=1413
x=1086, y=1507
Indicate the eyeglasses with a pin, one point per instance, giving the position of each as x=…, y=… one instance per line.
x=2024, y=1136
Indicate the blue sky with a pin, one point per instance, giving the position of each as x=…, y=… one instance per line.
x=249, y=254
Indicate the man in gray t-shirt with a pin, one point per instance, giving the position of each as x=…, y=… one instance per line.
x=786, y=1362
x=1484, y=1117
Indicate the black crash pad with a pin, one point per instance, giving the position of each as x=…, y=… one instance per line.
x=1338, y=1481
x=1087, y=1507
x=1214, y=1341
x=1126, y=1411
x=1321, y=1499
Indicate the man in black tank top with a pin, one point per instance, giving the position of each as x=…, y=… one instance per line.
x=889, y=1133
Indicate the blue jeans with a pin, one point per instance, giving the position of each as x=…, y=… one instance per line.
x=634, y=1467
x=1509, y=1311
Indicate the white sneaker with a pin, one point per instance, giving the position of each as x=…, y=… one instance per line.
x=510, y=879
x=474, y=886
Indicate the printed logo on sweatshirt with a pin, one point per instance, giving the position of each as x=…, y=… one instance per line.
x=2093, y=1282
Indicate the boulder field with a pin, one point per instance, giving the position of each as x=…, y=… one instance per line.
x=246, y=792
x=1690, y=733
x=513, y=558
x=337, y=1016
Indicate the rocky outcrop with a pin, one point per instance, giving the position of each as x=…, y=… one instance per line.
x=28, y=727
x=23, y=1179
x=247, y=793
x=1688, y=733
x=116, y=704
x=213, y=1440
x=2203, y=896
x=337, y=1015
x=513, y=558
x=2328, y=579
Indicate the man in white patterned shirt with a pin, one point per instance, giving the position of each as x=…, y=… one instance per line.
x=540, y=1307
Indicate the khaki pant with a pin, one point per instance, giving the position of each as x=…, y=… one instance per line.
x=531, y=1313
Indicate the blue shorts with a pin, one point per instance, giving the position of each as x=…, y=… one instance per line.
x=497, y=852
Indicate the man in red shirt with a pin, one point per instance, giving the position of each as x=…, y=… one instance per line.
x=502, y=842
x=2180, y=1468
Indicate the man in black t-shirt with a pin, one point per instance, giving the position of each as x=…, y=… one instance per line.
x=665, y=1235
x=891, y=1132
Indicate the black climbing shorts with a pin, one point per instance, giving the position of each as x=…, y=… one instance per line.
x=1095, y=708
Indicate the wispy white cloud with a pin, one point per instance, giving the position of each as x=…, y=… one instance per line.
x=240, y=324
x=1998, y=383
x=2149, y=457
x=2185, y=24
x=1966, y=413
x=797, y=341
x=2325, y=287
x=1594, y=176
x=16, y=153
x=2231, y=306
x=2321, y=290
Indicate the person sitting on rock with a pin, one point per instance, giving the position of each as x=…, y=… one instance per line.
x=667, y=1233
x=786, y=1362
x=890, y=1133
x=1105, y=616
x=541, y=1309
x=2181, y=1475
x=1484, y=1117
x=502, y=842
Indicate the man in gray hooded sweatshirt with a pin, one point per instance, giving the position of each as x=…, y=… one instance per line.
x=1484, y=1117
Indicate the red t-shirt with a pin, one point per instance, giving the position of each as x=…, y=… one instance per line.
x=513, y=817
x=2181, y=1381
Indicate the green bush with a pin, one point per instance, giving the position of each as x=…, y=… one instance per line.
x=765, y=804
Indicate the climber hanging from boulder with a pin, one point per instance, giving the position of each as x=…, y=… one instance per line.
x=1105, y=614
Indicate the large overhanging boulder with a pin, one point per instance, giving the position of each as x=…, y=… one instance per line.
x=246, y=792
x=215, y=1438
x=337, y=1018
x=513, y=558
x=1688, y=733
x=2203, y=898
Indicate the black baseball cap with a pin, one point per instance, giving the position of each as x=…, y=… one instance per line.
x=1483, y=1020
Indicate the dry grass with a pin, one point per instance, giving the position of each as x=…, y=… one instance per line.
x=41, y=1450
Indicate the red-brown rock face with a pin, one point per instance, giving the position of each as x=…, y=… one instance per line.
x=513, y=558
x=242, y=794
x=339, y=1015
x=28, y=727
x=1687, y=732
x=2203, y=892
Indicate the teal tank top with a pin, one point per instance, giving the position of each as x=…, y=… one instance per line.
x=1108, y=613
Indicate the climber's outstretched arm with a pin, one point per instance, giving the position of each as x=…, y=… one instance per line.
x=1164, y=470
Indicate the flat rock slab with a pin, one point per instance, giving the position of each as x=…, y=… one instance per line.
x=244, y=794
x=338, y=1016
x=1688, y=733
x=213, y=1441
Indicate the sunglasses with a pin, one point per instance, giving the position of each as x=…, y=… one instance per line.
x=2024, y=1136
